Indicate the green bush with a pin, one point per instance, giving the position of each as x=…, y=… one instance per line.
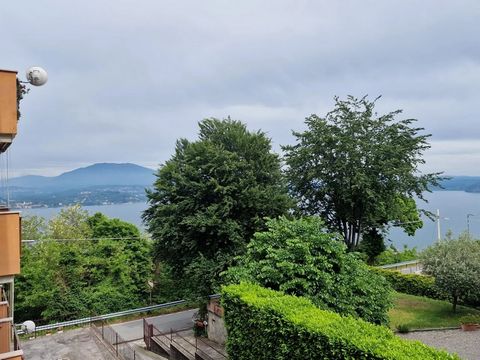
x=413, y=284
x=421, y=285
x=301, y=258
x=470, y=319
x=267, y=324
x=403, y=328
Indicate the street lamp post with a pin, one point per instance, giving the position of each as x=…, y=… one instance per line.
x=439, y=233
x=439, y=236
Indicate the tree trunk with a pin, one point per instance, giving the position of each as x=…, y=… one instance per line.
x=454, y=302
x=351, y=233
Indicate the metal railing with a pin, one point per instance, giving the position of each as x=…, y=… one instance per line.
x=114, y=341
x=150, y=331
x=91, y=319
x=163, y=337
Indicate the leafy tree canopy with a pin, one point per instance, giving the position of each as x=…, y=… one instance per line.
x=300, y=257
x=104, y=227
x=392, y=255
x=71, y=223
x=33, y=227
x=65, y=276
x=359, y=170
x=212, y=195
x=455, y=264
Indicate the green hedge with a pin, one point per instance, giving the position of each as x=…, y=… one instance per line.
x=421, y=285
x=413, y=284
x=266, y=324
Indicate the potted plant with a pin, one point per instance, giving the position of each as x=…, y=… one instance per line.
x=470, y=322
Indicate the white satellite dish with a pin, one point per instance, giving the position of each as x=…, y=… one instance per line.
x=37, y=76
x=29, y=326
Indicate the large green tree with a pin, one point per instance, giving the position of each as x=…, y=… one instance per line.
x=359, y=170
x=211, y=196
x=300, y=257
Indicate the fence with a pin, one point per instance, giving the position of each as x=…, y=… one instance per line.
x=114, y=341
x=91, y=319
x=173, y=341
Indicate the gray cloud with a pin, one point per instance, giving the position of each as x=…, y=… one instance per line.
x=129, y=78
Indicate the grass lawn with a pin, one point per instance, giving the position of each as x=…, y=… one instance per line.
x=418, y=312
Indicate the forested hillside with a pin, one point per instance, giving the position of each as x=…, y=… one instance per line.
x=97, y=184
x=461, y=183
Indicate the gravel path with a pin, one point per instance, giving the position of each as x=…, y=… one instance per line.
x=465, y=343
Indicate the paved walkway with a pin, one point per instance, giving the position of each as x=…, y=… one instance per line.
x=465, y=343
x=78, y=344
x=132, y=330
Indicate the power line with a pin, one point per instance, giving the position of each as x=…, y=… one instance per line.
x=87, y=239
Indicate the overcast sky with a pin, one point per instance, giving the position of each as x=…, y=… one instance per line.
x=127, y=78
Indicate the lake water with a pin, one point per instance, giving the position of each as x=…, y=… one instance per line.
x=128, y=212
x=454, y=207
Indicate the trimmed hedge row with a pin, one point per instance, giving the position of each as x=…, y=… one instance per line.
x=421, y=285
x=266, y=324
x=413, y=284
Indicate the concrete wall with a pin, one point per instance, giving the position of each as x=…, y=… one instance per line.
x=13, y=355
x=159, y=349
x=216, y=326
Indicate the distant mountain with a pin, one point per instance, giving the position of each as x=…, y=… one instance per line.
x=98, y=184
x=462, y=183
x=103, y=174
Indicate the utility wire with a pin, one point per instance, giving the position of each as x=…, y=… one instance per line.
x=88, y=239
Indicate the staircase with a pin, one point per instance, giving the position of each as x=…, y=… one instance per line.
x=181, y=345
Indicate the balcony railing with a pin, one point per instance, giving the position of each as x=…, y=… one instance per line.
x=9, y=350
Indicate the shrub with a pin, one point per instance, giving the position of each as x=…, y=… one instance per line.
x=301, y=258
x=266, y=324
x=403, y=328
x=470, y=319
x=413, y=284
x=421, y=285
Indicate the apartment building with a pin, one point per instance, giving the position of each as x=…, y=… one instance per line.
x=10, y=230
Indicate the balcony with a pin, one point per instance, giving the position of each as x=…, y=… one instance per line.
x=9, y=243
x=8, y=108
x=9, y=343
